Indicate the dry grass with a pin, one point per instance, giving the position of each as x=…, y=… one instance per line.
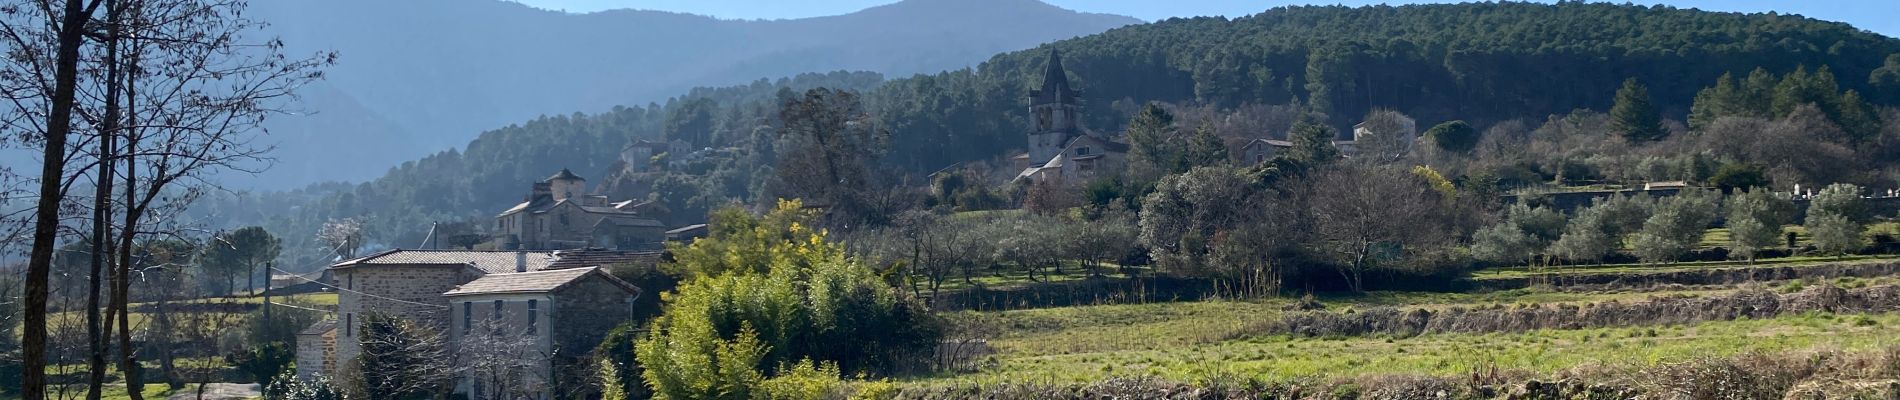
x=1675, y=309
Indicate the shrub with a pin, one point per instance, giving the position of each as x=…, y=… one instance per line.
x=1835, y=234
x=263, y=362
x=782, y=298
x=619, y=370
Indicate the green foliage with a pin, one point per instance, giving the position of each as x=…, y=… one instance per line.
x=264, y=362
x=281, y=327
x=1312, y=143
x=1503, y=243
x=1525, y=232
x=1676, y=225
x=1153, y=151
x=241, y=252
x=1841, y=199
x=1189, y=215
x=1733, y=176
x=763, y=298
x=1835, y=234
x=1205, y=149
x=1634, y=116
x=1453, y=136
x=1836, y=218
x=619, y=370
x=1754, y=221
x=692, y=122
x=737, y=242
x=1761, y=95
x=804, y=380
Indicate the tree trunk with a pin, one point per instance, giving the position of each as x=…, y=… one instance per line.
x=71, y=36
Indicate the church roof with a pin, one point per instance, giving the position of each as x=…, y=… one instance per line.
x=565, y=175
x=1055, y=83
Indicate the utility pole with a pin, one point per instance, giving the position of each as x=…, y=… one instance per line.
x=268, y=267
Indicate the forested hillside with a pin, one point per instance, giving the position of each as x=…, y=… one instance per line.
x=471, y=185
x=419, y=76
x=1481, y=63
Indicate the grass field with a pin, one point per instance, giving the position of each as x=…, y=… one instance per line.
x=1197, y=341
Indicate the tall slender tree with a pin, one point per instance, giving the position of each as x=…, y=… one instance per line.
x=1634, y=116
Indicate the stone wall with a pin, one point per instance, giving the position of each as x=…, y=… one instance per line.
x=416, y=290
x=316, y=354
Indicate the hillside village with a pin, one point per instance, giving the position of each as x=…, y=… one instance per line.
x=1433, y=201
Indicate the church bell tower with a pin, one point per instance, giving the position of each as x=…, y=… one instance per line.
x=1055, y=109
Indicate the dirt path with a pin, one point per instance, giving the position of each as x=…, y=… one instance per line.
x=220, y=391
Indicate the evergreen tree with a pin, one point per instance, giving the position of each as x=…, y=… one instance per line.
x=1205, y=149
x=1453, y=136
x=1312, y=143
x=1152, y=152
x=1633, y=116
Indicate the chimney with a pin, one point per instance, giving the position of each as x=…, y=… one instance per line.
x=521, y=261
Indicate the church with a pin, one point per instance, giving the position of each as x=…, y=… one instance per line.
x=1060, y=148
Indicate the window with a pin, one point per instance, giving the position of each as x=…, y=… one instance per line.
x=349, y=324
x=351, y=284
x=533, y=308
x=1082, y=151
x=496, y=330
x=468, y=316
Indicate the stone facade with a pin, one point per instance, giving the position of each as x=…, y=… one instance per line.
x=411, y=292
x=562, y=303
x=1060, y=148
x=316, y=350
x=559, y=214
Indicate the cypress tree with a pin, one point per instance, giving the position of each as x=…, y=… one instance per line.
x=1634, y=116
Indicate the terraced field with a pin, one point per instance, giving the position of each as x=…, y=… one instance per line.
x=1214, y=341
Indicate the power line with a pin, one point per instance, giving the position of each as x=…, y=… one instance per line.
x=300, y=308
x=321, y=283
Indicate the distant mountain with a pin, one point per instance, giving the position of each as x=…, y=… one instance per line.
x=419, y=76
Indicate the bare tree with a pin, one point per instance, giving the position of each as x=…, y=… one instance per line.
x=1368, y=217
x=44, y=41
x=504, y=361
x=1385, y=136
x=341, y=236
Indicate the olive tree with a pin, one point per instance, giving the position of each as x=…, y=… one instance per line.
x=1754, y=219
x=1676, y=226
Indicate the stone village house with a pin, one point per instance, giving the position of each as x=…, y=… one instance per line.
x=558, y=214
x=559, y=303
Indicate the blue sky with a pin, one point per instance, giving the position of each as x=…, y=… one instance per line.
x=1873, y=15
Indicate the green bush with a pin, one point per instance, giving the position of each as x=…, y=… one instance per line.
x=619, y=370
x=263, y=362
x=786, y=298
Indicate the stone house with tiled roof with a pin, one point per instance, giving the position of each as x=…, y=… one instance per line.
x=562, y=301
x=559, y=214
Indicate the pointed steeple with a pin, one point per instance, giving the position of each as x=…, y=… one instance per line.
x=1055, y=83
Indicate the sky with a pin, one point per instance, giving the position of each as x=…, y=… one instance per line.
x=1873, y=15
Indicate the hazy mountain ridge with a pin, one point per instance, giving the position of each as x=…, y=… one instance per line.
x=441, y=71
